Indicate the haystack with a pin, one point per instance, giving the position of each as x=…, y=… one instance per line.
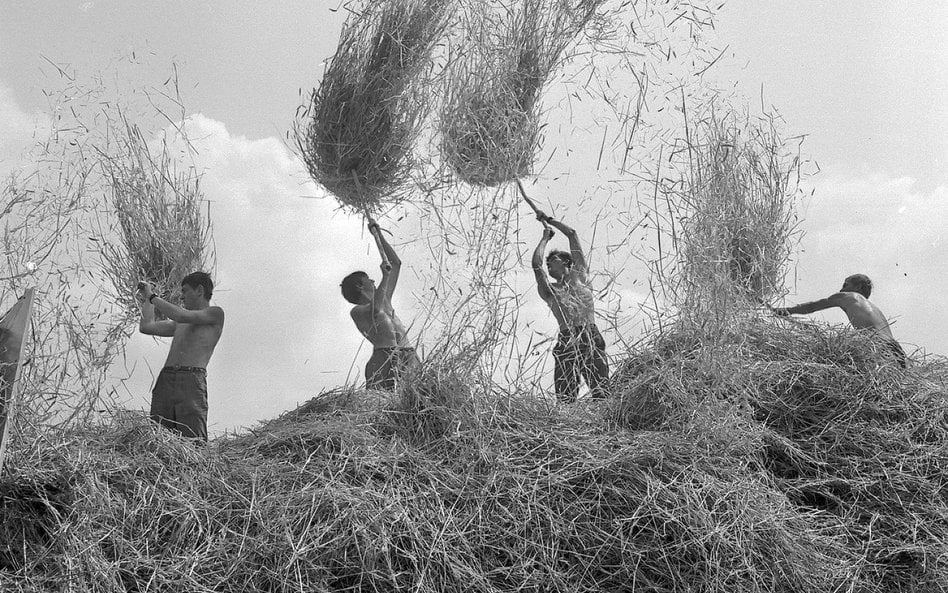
x=357, y=134
x=164, y=235
x=796, y=460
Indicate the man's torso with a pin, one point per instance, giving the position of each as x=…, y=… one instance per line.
x=193, y=345
x=575, y=301
x=382, y=328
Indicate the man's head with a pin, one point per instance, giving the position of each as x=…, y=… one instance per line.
x=356, y=287
x=558, y=263
x=195, y=288
x=858, y=283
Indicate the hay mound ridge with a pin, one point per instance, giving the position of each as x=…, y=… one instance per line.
x=781, y=458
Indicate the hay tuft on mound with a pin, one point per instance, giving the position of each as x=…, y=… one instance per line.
x=164, y=235
x=356, y=135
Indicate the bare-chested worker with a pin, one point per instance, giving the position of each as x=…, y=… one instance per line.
x=853, y=299
x=375, y=318
x=580, y=351
x=179, y=398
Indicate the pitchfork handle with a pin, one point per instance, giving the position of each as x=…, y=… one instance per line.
x=374, y=229
x=529, y=202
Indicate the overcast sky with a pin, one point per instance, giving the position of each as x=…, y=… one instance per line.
x=868, y=88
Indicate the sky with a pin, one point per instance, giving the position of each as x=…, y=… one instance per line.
x=868, y=90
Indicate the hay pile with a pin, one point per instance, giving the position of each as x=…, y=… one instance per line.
x=842, y=432
x=357, y=133
x=796, y=461
x=164, y=236
x=490, y=117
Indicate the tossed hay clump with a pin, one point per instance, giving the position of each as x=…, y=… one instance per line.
x=357, y=134
x=490, y=119
x=164, y=236
x=796, y=461
x=738, y=208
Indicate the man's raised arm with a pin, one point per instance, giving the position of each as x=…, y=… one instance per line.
x=174, y=313
x=575, y=249
x=388, y=253
x=148, y=325
x=543, y=283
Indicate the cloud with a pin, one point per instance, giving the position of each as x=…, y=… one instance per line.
x=19, y=128
x=282, y=248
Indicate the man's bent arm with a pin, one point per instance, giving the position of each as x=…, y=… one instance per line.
x=575, y=249
x=382, y=301
x=150, y=327
x=543, y=283
x=208, y=316
x=389, y=253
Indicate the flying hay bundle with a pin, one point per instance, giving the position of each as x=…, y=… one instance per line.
x=490, y=120
x=364, y=117
x=740, y=202
x=164, y=235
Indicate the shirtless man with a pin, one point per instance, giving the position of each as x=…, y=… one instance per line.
x=375, y=318
x=853, y=299
x=179, y=398
x=580, y=351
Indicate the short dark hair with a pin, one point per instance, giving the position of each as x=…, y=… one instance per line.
x=862, y=283
x=200, y=279
x=352, y=286
x=563, y=256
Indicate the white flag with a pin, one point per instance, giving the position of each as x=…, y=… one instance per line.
x=12, y=331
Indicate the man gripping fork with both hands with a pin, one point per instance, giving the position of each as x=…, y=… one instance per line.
x=580, y=351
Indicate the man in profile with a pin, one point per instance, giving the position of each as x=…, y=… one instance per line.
x=580, y=351
x=853, y=299
x=179, y=398
x=375, y=318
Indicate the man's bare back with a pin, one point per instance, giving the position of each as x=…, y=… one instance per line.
x=853, y=299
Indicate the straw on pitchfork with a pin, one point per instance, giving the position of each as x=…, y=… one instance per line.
x=163, y=234
x=358, y=131
x=490, y=120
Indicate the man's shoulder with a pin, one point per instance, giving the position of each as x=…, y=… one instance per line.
x=847, y=298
